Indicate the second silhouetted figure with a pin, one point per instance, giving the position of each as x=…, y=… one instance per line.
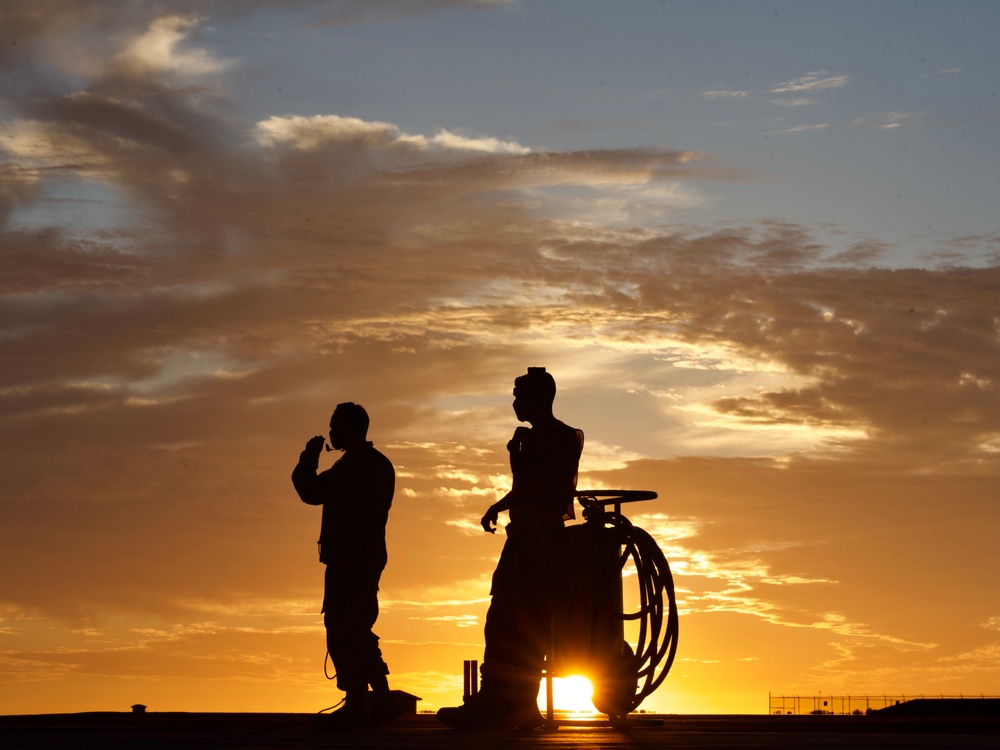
x=544, y=460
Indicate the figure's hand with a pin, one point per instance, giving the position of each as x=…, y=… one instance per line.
x=315, y=445
x=489, y=520
x=520, y=433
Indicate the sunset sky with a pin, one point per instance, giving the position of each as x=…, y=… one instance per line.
x=756, y=243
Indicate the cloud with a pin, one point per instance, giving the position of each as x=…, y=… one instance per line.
x=888, y=120
x=726, y=94
x=796, y=102
x=159, y=51
x=944, y=72
x=357, y=11
x=801, y=128
x=875, y=121
x=306, y=133
x=862, y=252
x=816, y=81
x=819, y=80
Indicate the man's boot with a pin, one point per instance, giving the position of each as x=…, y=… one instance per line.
x=352, y=715
x=479, y=711
x=494, y=708
x=383, y=706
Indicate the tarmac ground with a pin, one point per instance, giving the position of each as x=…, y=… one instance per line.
x=156, y=731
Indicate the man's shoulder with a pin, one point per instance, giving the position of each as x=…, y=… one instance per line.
x=569, y=436
x=372, y=449
x=566, y=431
x=375, y=456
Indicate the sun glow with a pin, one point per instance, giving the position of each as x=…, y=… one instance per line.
x=572, y=695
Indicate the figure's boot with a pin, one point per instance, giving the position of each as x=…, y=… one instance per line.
x=480, y=711
x=383, y=707
x=520, y=701
x=352, y=715
x=493, y=708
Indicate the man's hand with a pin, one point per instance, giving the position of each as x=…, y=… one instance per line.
x=520, y=435
x=315, y=445
x=489, y=520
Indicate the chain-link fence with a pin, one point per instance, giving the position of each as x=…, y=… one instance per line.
x=847, y=705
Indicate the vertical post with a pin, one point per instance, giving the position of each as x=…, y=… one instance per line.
x=471, y=678
x=549, y=708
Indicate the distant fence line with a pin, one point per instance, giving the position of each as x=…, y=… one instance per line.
x=822, y=704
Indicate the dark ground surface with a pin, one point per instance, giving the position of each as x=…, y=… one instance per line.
x=156, y=731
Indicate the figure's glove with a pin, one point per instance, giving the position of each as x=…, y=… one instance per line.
x=313, y=449
x=489, y=520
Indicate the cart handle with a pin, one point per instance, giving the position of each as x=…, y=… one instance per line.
x=615, y=496
x=602, y=498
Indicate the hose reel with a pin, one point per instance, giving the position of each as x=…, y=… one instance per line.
x=589, y=622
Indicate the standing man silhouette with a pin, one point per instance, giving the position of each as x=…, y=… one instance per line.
x=356, y=493
x=543, y=460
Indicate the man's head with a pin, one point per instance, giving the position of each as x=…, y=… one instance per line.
x=348, y=425
x=534, y=394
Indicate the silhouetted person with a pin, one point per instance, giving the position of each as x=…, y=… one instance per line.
x=356, y=493
x=543, y=460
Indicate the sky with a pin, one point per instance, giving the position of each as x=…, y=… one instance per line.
x=756, y=244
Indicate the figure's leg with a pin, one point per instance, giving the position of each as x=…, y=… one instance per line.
x=514, y=655
x=360, y=657
x=340, y=616
x=372, y=665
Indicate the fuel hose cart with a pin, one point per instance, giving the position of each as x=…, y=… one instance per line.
x=606, y=556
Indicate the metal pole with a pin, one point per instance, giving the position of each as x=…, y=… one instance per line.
x=549, y=708
x=470, y=675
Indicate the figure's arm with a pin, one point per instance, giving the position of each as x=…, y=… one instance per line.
x=304, y=476
x=492, y=515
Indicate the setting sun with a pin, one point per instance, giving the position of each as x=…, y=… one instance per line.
x=573, y=695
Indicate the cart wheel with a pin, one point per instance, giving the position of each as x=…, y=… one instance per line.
x=614, y=693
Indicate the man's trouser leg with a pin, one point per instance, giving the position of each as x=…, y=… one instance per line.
x=350, y=609
x=518, y=623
